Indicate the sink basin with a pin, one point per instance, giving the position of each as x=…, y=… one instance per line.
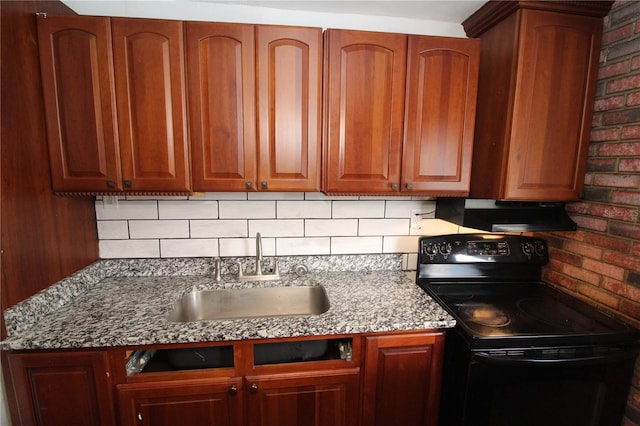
x=250, y=303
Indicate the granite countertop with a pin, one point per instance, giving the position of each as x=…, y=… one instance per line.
x=121, y=308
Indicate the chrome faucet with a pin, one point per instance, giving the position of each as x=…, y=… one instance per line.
x=258, y=275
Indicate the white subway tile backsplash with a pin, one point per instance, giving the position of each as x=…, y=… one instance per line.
x=358, y=209
x=275, y=195
x=355, y=245
x=435, y=227
x=330, y=227
x=403, y=208
x=303, y=246
x=222, y=228
x=303, y=209
x=113, y=230
x=158, y=229
x=247, y=209
x=128, y=210
x=188, y=210
x=246, y=246
x=400, y=245
x=277, y=228
x=195, y=247
x=129, y=249
x=384, y=227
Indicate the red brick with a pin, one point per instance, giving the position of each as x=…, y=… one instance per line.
x=624, y=83
x=607, y=242
x=622, y=289
x=636, y=250
x=588, y=178
x=592, y=223
x=617, y=181
x=560, y=280
x=626, y=197
x=626, y=230
x=581, y=274
x=629, y=165
x=578, y=207
x=631, y=132
x=565, y=257
x=613, y=102
x=630, y=309
x=633, y=99
x=619, y=149
x=604, y=269
x=583, y=249
x=571, y=235
x=635, y=61
x=555, y=265
x=617, y=34
x=600, y=296
x=605, y=135
x=622, y=260
x=613, y=212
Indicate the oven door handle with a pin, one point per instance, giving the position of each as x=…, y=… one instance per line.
x=611, y=357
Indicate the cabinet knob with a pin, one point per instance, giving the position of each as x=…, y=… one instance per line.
x=140, y=416
x=264, y=184
x=111, y=184
x=233, y=390
x=409, y=186
x=253, y=388
x=248, y=185
x=126, y=183
x=394, y=186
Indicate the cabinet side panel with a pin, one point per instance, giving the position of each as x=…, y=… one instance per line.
x=220, y=63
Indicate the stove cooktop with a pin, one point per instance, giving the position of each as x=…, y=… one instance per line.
x=526, y=314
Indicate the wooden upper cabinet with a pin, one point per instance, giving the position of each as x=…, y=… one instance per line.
x=289, y=102
x=442, y=85
x=78, y=89
x=535, y=103
x=221, y=73
x=255, y=104
x=364, y=90
x=148, y=57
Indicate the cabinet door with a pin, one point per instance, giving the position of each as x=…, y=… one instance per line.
x=552, y=113
x=77, y=81
x=149, y=73
x=365, y=86
x=442, y=85
x=193, y=403
x=221, y=72
x=289, y=107
x=402, y=379
x=328, y=398
x=56, y=388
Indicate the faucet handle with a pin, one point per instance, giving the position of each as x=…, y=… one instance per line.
x=240, y=273
x=218, y=270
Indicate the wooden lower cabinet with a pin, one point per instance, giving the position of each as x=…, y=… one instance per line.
x=328, y=398
x=193, y=402
x=401, y=383
x=59, y=388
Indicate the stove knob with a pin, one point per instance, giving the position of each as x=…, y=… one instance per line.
x=540, y=248
x=430, y=250
x=527, y=249
x=445, y=249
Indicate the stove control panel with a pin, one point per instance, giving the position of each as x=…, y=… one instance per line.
x=482, y=248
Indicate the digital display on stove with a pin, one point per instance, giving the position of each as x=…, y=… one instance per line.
x=487, y=248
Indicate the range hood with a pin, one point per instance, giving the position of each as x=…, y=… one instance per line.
x=504, y=216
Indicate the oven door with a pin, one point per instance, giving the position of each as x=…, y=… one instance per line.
x=481, y=389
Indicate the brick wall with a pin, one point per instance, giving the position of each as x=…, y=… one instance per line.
x=601, y=261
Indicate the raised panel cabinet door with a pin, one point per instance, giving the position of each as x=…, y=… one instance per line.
x=364, y=90
x=553, y=105
x=328, y=398
x=442, y=86
x=221, y=82
x=70, y=388
x=201, y=402
x=148, y=56
x=77, y=81
x=289, y=101
x=401, y=383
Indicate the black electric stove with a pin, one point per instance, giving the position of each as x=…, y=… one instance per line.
x=518, y=339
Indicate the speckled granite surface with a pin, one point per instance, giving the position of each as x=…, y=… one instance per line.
x=125, y=302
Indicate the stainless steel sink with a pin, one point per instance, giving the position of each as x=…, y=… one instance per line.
x=250, y=303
